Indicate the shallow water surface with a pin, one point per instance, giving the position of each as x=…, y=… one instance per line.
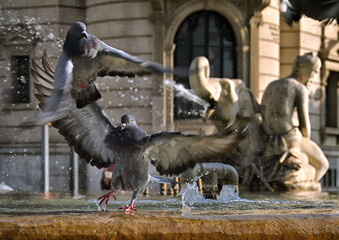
x=244, y=203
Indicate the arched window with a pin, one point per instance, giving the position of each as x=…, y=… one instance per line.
x=209, y=34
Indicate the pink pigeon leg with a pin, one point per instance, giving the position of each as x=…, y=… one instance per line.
x=129, y=207
x=106, y=197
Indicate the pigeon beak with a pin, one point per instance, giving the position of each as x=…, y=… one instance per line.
x=84, y=34
x=123, y=126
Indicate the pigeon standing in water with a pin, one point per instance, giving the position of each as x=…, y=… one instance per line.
x=85, y=57
x=128, y=147
x=321, y=10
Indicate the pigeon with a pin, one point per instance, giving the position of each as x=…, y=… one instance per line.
x=84, y=57
x=96, y=140
x=321, y=10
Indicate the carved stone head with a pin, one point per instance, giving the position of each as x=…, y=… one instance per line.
x=305, y=66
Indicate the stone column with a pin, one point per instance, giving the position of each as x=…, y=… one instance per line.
x=157, y=19
x=264, y=49
x=168, y=100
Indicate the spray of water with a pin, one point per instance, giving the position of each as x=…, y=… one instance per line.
x=188, y=94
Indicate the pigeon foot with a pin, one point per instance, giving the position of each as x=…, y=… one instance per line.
x=129, y=207
x=106, y=197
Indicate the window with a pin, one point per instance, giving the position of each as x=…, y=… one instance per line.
x=20, y=79
x=209, y=34
x=332, y=100
x=330, y=179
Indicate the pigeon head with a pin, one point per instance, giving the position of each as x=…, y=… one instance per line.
x=128, y=121
x=78, y=30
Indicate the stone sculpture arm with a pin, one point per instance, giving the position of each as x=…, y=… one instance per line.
x=303, y=115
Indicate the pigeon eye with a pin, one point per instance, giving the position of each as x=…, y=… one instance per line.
x=130, y=120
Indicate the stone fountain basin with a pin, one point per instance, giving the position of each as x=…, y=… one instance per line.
x=55, y=218
x=172, y=225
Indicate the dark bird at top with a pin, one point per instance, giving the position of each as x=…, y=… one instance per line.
x=84, y=57
x=321, y=10
x=127, y=146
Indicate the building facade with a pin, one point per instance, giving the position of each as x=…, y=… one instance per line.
x=243, y=39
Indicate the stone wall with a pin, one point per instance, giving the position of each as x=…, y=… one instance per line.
x=40, y=27
x=265, y=40
x=124, y=25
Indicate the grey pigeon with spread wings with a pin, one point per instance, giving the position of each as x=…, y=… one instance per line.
x=129, y=148
x=85, y=57
x=321, y=10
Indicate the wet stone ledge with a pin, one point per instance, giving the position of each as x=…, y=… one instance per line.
x=168, y=225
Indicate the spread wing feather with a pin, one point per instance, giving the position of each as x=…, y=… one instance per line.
x=324, y=10
x=174, y=152
x=115, y=62
x=84, y=129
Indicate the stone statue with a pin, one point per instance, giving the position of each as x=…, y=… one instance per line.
x=231, y=101
x=299, y=163
x=281, y=156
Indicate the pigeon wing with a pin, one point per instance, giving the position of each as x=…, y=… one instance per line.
x=84, y=129
x=62, y=77
x=57, y=85
x=325, y=10
x=115, y=62
x=175, y=152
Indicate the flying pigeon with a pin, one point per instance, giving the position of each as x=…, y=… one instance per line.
x=84, y=57
x=321, y=10
x=128, y=147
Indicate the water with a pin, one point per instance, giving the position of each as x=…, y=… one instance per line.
x=189, y=200
x=188, y=94
x=248, y=216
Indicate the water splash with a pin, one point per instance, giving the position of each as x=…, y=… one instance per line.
x=191, y=197
x=190, y=194
x=228, y=193
x=188, y=94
